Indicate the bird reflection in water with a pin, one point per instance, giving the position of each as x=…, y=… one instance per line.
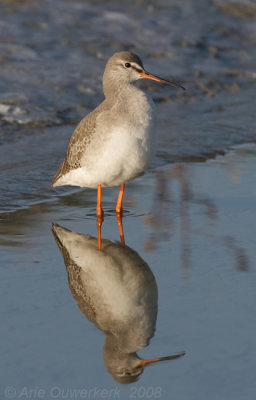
x=117, y=291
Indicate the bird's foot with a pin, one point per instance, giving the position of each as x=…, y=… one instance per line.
x=119, y=211
x=100, y=213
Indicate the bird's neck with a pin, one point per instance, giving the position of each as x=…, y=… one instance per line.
x=114, y=90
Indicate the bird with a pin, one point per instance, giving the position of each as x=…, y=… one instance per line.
x=116, y=141
x=116, y=290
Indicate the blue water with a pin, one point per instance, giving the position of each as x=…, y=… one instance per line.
x=197, y=239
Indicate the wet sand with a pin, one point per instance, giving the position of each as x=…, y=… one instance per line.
x=194, y=225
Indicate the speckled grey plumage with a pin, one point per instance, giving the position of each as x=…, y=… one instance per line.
x=78, y=143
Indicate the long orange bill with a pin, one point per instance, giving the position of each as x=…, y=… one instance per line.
x=144, y=363
x=148, y=75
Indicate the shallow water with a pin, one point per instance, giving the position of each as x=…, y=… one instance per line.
x=191, y=218
x=197, y=237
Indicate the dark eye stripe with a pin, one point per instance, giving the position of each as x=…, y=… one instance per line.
x=132, y=66
x=137, y=69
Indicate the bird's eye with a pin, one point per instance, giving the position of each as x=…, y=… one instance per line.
x=127, y=65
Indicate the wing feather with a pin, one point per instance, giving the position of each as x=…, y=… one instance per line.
x=78, y=144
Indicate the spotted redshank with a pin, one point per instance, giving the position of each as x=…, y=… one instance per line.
x=115, y=142
x=117, y=291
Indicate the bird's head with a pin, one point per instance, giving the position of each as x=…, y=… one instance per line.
x=126, y=67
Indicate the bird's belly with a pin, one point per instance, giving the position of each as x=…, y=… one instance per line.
x=116, y=157
x=126, y=156
x=119, y=293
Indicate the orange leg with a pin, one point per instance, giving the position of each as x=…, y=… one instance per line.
x=99, y=210
x=100, y=216
x=119, y=207
x=99, y=224
x=120, y=227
